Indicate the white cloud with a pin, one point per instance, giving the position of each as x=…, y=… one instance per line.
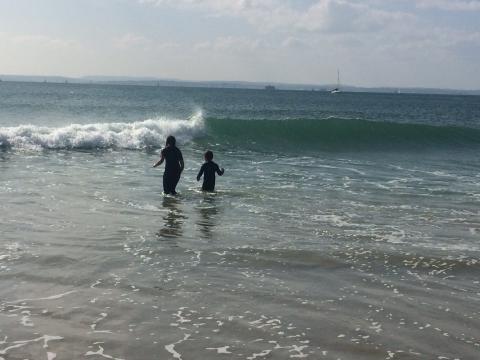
x=348, y=16
x=266, y=14
x=294, y=43
x=231, y=44
x=233, y=7
x=322, y=15
x=36, y=40
x=450, y=5
x=134, y=42
x=130, y=40
x=39, y=54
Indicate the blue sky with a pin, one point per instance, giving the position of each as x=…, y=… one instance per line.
x=429, y=43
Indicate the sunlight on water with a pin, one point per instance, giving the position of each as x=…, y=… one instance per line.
x=302, y=252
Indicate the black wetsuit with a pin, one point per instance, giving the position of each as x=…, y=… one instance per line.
x=171, y=176
x=208, y=170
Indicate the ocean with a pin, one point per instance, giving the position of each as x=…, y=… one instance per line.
x=345, y=227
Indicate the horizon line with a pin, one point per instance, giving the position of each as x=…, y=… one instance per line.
x=85, y=79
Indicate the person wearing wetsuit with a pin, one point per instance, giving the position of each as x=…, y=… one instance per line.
x=174, y=165
x=208, y=170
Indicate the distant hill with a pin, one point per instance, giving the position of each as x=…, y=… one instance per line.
x=152, y=81
x=34, y=78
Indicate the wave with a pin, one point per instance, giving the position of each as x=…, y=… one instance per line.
x=329, y=133
x=339, y=133
x=135, y=136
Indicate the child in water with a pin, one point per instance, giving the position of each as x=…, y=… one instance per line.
x=173, y=165
x=208, y=169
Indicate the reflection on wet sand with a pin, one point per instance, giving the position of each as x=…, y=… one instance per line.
x=207, y=219
x=173, y=219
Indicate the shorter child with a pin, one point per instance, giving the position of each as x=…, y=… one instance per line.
x=208, y=169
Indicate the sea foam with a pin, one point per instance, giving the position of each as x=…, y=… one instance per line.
x=138, y=135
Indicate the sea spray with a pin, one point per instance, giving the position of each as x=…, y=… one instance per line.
x=137, y=135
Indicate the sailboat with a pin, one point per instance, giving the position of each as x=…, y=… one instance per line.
x=337, y=89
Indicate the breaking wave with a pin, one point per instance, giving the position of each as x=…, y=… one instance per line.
x=135, y=136
x=326, y=134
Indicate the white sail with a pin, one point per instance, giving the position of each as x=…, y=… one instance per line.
x=337, y=89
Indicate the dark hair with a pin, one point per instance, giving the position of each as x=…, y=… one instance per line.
x=208, y=155
x=170, y=140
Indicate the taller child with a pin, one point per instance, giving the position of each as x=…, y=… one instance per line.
x=173, y=165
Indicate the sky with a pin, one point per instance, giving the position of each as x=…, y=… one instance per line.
x=396, y=43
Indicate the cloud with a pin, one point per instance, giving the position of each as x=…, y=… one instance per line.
x=130, y=40
x=232, y=44
x=320, y=15
x=262, y=13
x=39, y=54
x=294, y=43
x=234, y=7
x=134, y=42
x=348, y=16
x=36, y=40
x=449, y=5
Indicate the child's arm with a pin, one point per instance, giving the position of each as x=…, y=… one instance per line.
x=180, y=160
x=200, y=173
x=220, y=171
x=159, y=162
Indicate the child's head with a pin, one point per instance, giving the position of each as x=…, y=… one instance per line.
x=208, y=155
x=170, y=140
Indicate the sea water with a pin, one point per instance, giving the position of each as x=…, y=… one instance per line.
x=345, y=227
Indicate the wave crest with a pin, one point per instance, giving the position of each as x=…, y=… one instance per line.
x=134, y=136
x=334, y=134
x=339, y=134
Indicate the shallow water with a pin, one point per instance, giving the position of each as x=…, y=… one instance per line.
x=303, y=252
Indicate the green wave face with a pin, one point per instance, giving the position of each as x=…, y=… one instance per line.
x=337, y=134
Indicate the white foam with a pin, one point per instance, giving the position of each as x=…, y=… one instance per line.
x=101, y=353
x=53, y=297
x=149, y=133
x=171, y=347
x=21, y=343
x=260, y=354
x=396, y=237
x=333, y=219
x=221, y=350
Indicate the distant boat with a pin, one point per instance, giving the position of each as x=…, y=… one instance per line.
x=270, y=88
x=337, y=89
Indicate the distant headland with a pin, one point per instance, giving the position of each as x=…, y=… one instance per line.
x=152, y=81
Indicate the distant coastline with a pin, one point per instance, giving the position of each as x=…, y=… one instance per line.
x=151, y=81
